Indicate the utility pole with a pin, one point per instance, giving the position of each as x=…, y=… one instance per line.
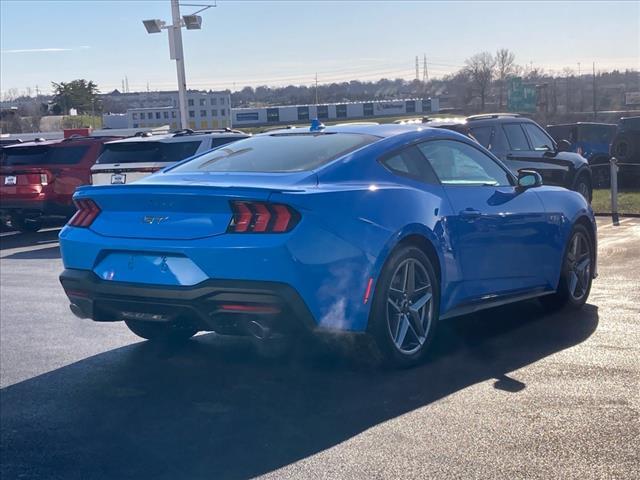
x=175, y=40
x=425, y=71
x=417, y=69
x=316, y=88
x=595, y=106
x=581, y=93
x=126, y=83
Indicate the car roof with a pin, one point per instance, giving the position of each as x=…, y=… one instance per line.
x=58, y=141
x=383, y=131
x=180, y=137
x=576, y=124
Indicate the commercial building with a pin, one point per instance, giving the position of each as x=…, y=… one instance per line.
x=332, y=111
x=210, y=110
x=205, y=110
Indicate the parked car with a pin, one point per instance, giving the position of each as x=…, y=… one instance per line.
x=37, y=179
x=130, y=159
x=383, y=229
x=591, y=140
x=522, y=144
x=625, y=146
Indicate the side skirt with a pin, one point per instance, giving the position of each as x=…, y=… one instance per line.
x=491, y=301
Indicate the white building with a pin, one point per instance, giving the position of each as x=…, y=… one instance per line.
x=332, y=111
x=115, y=120
x=205, y=111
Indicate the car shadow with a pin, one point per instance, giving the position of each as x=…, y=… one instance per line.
x=212, y=408
x=18, y=239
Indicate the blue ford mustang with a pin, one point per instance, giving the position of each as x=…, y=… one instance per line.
x=383, y=229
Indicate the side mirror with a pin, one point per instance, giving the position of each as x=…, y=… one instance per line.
x=529, y=179
x=564, y=145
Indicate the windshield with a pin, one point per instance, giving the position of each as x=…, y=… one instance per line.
x=43, y=155
x=277, y=153
x=147, y=152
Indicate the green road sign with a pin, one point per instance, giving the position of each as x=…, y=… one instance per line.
x=521, y=97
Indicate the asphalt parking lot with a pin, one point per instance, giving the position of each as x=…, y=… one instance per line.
x=508, y=393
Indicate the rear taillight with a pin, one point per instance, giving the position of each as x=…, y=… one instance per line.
x=87, y=212
x=262, y=217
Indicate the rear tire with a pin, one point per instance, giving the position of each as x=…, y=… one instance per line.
x=576, y=275
x=26, y=225
x=405, y=307
x=161, y=332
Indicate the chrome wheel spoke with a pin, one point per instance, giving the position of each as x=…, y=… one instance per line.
x=583, y=264
x=573, y=283
x=401, y=332
x=394, y=305
x=411, y=278
x=405, y=277
x=416, y=323
x=421, y=302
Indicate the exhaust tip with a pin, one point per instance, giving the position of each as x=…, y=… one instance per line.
x=259, y=331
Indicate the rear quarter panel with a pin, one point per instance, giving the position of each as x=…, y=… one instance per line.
x=351, y=231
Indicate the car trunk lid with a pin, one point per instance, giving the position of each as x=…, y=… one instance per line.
x=181, y=207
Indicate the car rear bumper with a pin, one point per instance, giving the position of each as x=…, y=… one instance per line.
x=224, y=306
x=10, y=206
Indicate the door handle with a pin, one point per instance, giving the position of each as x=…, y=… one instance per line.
x=510, y=156
x=470, y=213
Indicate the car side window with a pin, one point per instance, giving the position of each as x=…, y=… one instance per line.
x=516, y=137
x=409, y=162
x=457, y=163
x=483, y=135
x=539, y=140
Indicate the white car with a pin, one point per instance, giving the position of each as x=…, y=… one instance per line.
x=130, y=159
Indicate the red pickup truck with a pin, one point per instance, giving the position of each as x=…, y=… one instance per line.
x=37, y=179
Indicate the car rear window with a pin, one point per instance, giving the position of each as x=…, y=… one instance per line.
x=277, y=153
x=147, y=152
x=43, y=155
x=596, y=133
x=562, y=132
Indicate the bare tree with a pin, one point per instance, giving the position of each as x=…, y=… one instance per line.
x=480, y=69
x=505, y=67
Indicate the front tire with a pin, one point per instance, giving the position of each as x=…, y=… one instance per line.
x=405, y=307
x=577, y=273
x=161, y=331
x=583, y=187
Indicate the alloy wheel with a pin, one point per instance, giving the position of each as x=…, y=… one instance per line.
x=409, y=306
x=579, y=265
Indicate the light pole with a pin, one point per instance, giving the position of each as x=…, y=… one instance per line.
x=176, y=52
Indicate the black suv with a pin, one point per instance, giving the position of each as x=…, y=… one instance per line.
x=625, y=146
x=522, y=144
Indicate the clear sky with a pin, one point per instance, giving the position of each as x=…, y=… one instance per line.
x=278, y=43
